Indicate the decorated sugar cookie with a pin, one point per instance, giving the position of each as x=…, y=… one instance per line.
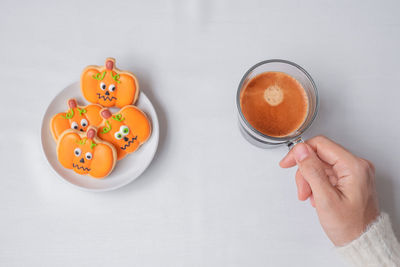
x=126, y=129
x=85, y=153
x=77, y=117
x=108, y=86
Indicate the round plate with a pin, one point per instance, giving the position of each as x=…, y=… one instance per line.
x=125, y=171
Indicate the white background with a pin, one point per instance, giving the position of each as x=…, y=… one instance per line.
x=209, y=198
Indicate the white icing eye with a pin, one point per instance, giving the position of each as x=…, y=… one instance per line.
x=77, y=151
x=88, y=156
x=84, y=123
x=111, y=88
x=124, y=130
x=118, y=135
x=74, y=125
x=103, y=86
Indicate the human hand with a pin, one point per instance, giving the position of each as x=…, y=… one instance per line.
x=340, y=186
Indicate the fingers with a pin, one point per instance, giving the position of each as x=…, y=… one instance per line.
x=327, y=150
x=370, y=164
x=303, y=188
x=288, y=161
x=312, y=201
x=313, y=171
x=333, y=180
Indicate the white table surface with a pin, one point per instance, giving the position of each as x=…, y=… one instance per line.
x=209, y=198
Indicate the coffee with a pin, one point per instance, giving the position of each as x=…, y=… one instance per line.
x=274, y=103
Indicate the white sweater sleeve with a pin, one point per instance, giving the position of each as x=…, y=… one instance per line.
x=377, y=246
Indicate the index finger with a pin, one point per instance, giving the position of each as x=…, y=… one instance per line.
x=327, y=150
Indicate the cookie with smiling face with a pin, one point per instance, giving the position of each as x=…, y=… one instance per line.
x=77, y=117
x=85, y=153
x=126, y=130
x=108, y=86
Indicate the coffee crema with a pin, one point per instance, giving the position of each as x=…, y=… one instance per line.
x=274, y=103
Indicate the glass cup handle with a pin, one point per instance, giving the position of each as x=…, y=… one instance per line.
x=294, y=142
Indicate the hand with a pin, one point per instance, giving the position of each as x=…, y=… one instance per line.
x=340, y=186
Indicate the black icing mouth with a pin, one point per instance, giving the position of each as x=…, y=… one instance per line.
x=105, y=97
x=128, y=144
x=80, y=167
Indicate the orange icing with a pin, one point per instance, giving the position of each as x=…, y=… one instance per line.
x=138, y=125
x=96, y=158
x=59, y=123
x=126, y=87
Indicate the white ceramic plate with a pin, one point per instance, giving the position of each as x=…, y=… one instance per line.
x=126, y=170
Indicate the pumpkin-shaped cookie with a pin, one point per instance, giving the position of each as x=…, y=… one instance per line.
x=108, y=86
x=126, y=129
x=77, y=117
x=85, y=153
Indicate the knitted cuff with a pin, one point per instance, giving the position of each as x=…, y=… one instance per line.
x=377, y=246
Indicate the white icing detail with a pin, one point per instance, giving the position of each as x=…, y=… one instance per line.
x=118, y=135
x=84, y=122
x=124, y=130
x=103, y=86
x=74, y=125
x=111, y=88
x=88, y=156
x=77, y=151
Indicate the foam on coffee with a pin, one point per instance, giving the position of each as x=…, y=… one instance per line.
x=273, y=95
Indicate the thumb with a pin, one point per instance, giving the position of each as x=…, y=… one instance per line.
x=313, y=171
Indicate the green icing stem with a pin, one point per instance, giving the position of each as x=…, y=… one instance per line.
x=118, y=117
x=99, y=76
x=106, y=129
x=92, y=145
x=69, y=114
x=81, y=111
x=115, y=77
x=81, y=142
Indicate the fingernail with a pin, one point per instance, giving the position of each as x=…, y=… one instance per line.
x=301, y=152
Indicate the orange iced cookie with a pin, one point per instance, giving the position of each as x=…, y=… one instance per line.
x=109, y=86
x=126, y=129
x=85, y=153
x=77, y=117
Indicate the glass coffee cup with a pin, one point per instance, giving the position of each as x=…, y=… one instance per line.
x=260, y=139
